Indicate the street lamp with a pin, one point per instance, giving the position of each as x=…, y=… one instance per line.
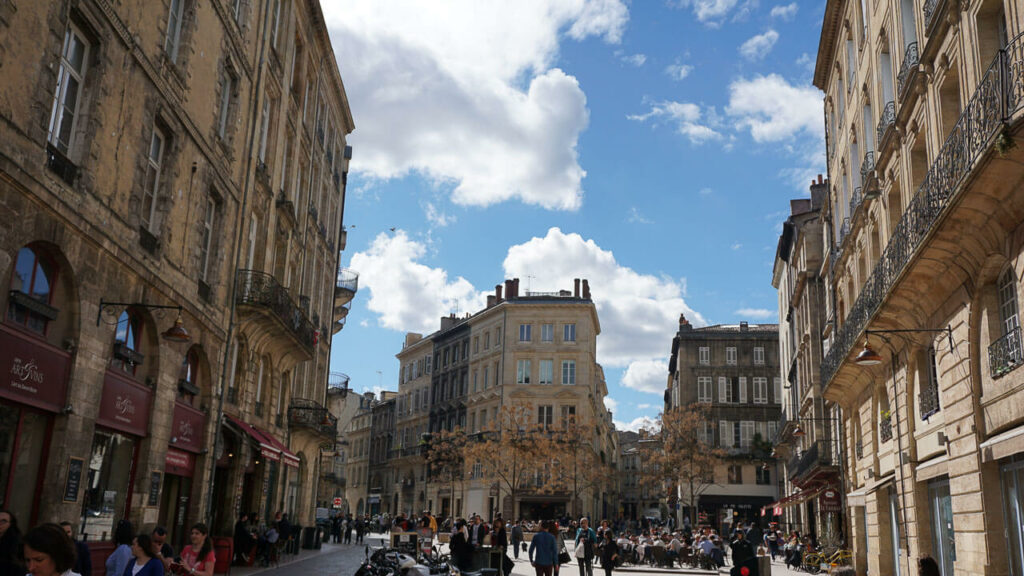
x=176, y=333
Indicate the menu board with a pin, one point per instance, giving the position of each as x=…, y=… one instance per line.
x=74, y=479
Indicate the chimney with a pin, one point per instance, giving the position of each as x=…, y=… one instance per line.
x=743, y=326
x=497, y=293
x=586, y=289
x=491, y=300
x=447, y=322
x=576, y=288
x=509, y=295
x=684, y=324
x=515, y=287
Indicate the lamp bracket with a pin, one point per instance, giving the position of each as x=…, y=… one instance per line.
x=948, y=330
x=105, y=304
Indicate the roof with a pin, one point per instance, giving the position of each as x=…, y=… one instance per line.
x=735, y=328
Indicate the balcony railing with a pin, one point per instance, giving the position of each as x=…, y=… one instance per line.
x=819, y=454
x=310, y=414
x=855, y=201
x=337, y=381
x=999, y=95
x=885, y=429
x=1004, y=355
x=867, y=171
x=911, y=60
x=260, y=289
x=928, y=399
x=885, y=124
x=844, y=231
x=932, y=9
x=348, y=280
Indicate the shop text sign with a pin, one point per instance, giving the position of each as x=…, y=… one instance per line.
x=187, y=428
x=125, y=404
x=33, y=372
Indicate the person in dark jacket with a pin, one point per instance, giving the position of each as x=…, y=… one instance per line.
x=10, y=544
x=544, y=550
x=461, y=549
x=586, y=535
x=517, y=539
x=742, y=552
x=609, y=552
x=243, y=540
x=83, y=560
x=146, y=563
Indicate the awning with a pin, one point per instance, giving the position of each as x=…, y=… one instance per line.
x=270, y=447
x=794, y=499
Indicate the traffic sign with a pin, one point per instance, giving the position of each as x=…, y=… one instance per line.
x=337, y=502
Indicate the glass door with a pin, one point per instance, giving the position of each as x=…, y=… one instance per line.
x=894, y=511
x=943, y=541
x=1013, y=507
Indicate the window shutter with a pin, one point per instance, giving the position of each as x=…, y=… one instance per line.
x=722, y=395
x=725, y=433
x=743, y=390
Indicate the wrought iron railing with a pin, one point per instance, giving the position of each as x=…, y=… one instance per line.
x=885, y=429
x=310, y=414
x=260, y=289
x=858, y=449
x=844, y=231
x=911, y=60
x=928, y=399
x=867, y=167
x=999, y=95
x=337, y=381
x=932, y=9
x=855, y=201
x=1004, y=355
x=819, y=454
x=885, y=123
x=348, y=280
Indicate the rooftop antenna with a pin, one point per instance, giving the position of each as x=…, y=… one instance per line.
x=528, y=279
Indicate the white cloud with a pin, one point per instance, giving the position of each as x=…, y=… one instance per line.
x=687, y=118
x=437, y=217
x=775, y=110
x=464, y=93
x=806, y=62
x=636, y=424
x=678, y=71
x=710, y=12
x=407, y=295
x=757, y=313
x=706, y=191
x=644, y=406
x=636, y=310
x=648, y=376
x=635, y=217
x=759, y=46
x=611, y=403
x=785, y=12
x=637, y=60
x=736, y=246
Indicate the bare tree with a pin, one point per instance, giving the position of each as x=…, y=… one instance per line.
x=446, y=458
x=677, y=454
x=581, y=467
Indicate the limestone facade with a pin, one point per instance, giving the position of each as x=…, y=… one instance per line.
x=145, y=163
x=924, y=248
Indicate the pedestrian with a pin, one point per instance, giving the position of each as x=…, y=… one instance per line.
x=48, y=551
x=742, y=552
x=10, y=545
x=146, y=564
x=346, y=528
x=544, y=551
x=585, y=541
x=927, y=566
x=122, y=555
x=461, y=549
x=360, y=530
x=336, y=528
x=163, y=550
x=477, y=531
x=517, y=538
x=609, y=553
x=83, y=559
x=771, y=539
x=198, y=559
x=243, y=540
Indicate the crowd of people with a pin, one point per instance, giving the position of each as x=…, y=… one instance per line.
x=51, y=550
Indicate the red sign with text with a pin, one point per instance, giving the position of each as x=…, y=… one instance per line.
x=179, y=463
x=187, y=428
x=33, y=372
x=125, y=404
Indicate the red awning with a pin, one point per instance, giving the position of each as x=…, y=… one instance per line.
x=270, y=447
x=287, y=456
x=798, y=498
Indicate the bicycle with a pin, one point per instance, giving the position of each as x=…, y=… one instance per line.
x=841, y=557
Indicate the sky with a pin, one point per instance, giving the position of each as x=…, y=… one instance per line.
x=650, y=146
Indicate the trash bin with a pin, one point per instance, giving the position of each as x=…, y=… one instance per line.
x=308, y=537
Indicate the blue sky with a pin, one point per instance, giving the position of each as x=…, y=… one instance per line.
x=649, y=146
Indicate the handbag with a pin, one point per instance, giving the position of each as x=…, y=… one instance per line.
x=524, y=546
x=563, y=557
x=581, y=549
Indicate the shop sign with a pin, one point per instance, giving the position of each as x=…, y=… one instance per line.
x=33, y=372
x=179, y=463
x=125, y=405
x=73, y=482
x=154, y=487
x=829, y=501
x=187, y=428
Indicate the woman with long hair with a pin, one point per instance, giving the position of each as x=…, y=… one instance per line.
x=10, y=544
x=146, y=563
x=49, y=551
x=122, y=555
x=609, y=552
x=198, y=558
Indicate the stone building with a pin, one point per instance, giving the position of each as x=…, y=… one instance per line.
x=150, y=177
x=381, y=490
x=923, y=259
x=412, y=423
x=333, y=480
x=809, y=436
x=357, y=456
x=734, y=369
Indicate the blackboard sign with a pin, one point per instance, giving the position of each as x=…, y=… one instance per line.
x=154, y=488
x=74, y=479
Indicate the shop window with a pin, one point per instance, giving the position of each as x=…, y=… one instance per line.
x=32, y=291
x=107, y=484
x=128, y=342
x=23, y=436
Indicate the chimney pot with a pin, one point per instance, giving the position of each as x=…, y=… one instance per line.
x=497, y=293
x=586, y=290
x=576, y=288
x=743, y=326
x=491, y=300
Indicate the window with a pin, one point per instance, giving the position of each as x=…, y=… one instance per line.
x=31, y=291
x=485, y=377
x=497, y=336
x=569, y=333
x=777, y=382
x=730, y=356
x=426, y=363
x=762, y=476
x=476, y=345
x=206, y=242
x=174, y=29
x=547, y=332
x=724, y=390
x=1007, y=286
x=487, y=340
x=742, y=384
x=760, y=390
x=227, y=88
x=523, y=372
x=568, y=416
x=568, y=371
x=545, y=416
x=725, y=434
x=705, y=355
x=704, y=393
x=547, y=371
x=735, y=474
x=773, y=430
x=127, y=339
x=264, y=130
x=524, y=332
x=758, y=356
x=151, y=186
x=746, y=433
x=68, y=95
x=928, y=398
x=275, y=23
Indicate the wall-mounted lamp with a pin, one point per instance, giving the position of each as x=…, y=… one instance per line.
x=176, y=333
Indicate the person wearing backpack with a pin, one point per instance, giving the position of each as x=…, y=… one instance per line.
x=586, y=540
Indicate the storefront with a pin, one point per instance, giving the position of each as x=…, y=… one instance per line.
x=122, y=424
x=264, y=473
x=32, y=390
x=725, y=512
x=186, y=443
